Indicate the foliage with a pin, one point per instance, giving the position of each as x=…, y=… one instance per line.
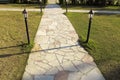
x=92, y=2
x=28, y=1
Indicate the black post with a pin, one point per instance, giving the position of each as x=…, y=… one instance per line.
x=26, y=25
x=89, y=27
x=41, y=6
x=66, y=6
x=27, y=32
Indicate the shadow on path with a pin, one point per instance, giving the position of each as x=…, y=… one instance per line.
x=44, y=50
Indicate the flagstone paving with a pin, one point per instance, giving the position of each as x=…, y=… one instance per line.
x=61, y=58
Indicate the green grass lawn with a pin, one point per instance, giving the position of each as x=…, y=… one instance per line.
x=104, y=44
x=79, y=7
x=34, y=6
x=12, y=35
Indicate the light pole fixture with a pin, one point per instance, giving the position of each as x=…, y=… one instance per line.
x=89, y=26
x=25, y=17
x=40, y=5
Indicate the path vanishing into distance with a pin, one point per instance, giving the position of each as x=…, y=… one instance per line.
x=61, y=57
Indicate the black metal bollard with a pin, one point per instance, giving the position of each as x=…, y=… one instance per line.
x=26, y=25
x=89, y=26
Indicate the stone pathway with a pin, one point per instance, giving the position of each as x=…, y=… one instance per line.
x=52, y=1
x=61, y=58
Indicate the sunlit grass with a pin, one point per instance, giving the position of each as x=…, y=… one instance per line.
x=104, y=43
x=85, y=7
x=12, y=35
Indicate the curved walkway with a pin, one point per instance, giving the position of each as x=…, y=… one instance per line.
x=61, y=58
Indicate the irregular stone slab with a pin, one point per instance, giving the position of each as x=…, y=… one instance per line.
x=62, y=75
x=27, y=76
x=60, y=52
x=53, y=26
x=60, y=58
x=52, y=71
x=32, y=69
x=68, y=66
x=87, y=58
x=79, y=55
x=44, y=77
x=60, y=68
x=44, y=46
x=93, y=75
x=54, y=63
x=34, y=55
x=75, y=76
x=41, y=32
x=69, y=57
x=84, y=67
x=50, y=32
x=43, y=65
x=44, y=39
x=69, y=54
x=50, y=57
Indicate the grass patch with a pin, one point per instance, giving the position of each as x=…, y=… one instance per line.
x=37, y=6
x=79, y=7
x=12, y=40
x=104, y=44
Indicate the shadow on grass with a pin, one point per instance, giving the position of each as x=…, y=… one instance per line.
x=84, y=44
x=112, y=69
x=113, y=74
x=20, y=45
x=13, y=50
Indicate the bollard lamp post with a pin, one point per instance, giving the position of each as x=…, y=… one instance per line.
x=25, y=17
x=89, y=26
x=40, y=5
